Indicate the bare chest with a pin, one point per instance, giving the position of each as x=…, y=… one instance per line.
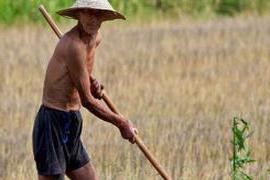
x=90, y=58
x=91, y=51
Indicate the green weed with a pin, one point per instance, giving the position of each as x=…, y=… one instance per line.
x=241, y=154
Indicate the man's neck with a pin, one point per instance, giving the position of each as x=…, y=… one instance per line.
x=85, y=36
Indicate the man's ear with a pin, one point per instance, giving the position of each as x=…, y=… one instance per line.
x=77, y=15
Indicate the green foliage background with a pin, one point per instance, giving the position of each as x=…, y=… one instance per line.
x=26, y=10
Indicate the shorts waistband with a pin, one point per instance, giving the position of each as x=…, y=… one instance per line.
x=58, y=110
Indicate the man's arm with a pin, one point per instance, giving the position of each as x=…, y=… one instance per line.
x=96, y=87
x=76, y=64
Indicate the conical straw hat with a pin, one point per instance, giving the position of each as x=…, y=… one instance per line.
x=105, y=8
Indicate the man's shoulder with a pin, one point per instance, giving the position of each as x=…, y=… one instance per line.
x=70, y=43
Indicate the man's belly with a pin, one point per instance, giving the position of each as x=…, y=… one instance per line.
x=61, y=106
x=59, y=91
x=61, y=99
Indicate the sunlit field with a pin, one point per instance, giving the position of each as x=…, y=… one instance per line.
x=180, y=83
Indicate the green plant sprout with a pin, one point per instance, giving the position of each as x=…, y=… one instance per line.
x=241, y=154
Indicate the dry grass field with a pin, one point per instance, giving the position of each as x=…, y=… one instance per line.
x=180, y=83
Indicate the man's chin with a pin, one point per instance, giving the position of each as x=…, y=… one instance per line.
x=91, y=31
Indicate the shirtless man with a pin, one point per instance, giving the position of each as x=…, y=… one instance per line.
x=57, y=147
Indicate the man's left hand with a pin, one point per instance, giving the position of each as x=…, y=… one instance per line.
x=96, y=89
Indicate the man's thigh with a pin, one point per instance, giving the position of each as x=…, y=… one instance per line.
x=87, y=172
x=55, y=177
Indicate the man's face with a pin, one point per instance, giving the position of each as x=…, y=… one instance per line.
x=90, y=20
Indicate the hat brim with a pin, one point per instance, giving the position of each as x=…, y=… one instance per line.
x=104, y=13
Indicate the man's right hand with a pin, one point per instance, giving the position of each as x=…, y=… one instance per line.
x=127, y=130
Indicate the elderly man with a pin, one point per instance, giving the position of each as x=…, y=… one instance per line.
x=57, y=146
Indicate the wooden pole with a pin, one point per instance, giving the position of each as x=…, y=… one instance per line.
x=110, y=104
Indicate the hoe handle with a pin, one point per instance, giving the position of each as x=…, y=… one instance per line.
x=110, y=104
x=50, y=21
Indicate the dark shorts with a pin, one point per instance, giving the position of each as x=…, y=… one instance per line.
x=57, y=146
